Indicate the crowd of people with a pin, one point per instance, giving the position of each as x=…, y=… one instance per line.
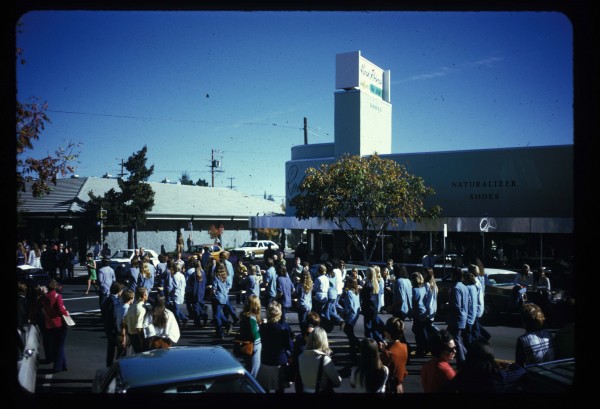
x=330, y=298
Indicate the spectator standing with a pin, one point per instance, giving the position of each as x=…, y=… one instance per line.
x=537, y=344
x=370, y=375
x=63, y=261
x=481, y=374
x=109, y=311
x=317, y=354
x=125, y=301
x=34, y=256
x=160, y=328
x=394, y=354
x=106, y=276
x=437, y=371
x=56, y=329
x=21, y=254
x=250, y=321
x=313, y=320
x=105, y=253
x=276, y=341
x=523, y=282
x=132, y=327
x=96, y=251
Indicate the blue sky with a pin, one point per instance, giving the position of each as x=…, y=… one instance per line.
x=240, y=83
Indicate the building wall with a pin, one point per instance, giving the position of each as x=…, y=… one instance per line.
x=513, y=182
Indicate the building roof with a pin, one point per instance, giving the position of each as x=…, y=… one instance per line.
x=171, y=201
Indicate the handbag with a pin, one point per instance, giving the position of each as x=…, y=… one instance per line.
x=243, y=348
x=68, y=320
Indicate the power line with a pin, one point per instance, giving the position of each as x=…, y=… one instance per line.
x=173, y=119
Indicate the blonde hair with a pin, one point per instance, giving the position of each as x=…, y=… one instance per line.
x=252, y=307
x=372, y=276
x=146, y=270
x=274, y=312
x=318, y=340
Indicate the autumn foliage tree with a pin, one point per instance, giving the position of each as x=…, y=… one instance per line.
x=215, y=232
x=363, y=196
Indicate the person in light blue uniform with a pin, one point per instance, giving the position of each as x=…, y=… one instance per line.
x=271, y=281
x=419, y=313
x=470, y=281
x=330, y=311
x=458, y=308
x=351, y=314
x=219, y=300
x=304, y=292
x=402, y=293
x=320, y=288
x=284, y=287
x=228, y=308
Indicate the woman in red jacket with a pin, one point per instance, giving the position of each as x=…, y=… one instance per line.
x=56, y=330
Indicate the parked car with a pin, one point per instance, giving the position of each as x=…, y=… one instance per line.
x=498, y=291
x=28, y=352
x=32, y=276
x=120, y=261
x=214, y=250
x=550, y=377
x=253, y=249
x=182, y=370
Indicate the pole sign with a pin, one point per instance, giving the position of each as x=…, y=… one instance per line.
x=354, y=71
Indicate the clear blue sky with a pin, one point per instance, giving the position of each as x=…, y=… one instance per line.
x=184, y=83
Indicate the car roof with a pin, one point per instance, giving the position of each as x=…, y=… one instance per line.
x=488, y=271
x=166, y=365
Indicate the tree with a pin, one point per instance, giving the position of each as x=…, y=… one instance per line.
x=216, y=232
x=185, y=179
x=201, y=182
x=31, y=119
x=128, y=207
x=362, y=196
x=268, y=233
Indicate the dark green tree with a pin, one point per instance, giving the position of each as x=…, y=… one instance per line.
x=128, y=206
x=185, y=179
x=362, y=196
x=201, y=182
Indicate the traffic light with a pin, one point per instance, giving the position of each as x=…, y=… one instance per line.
x=102, y=214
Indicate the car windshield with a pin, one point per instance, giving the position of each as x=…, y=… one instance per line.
x=249, y=244
x=122, y=254
x=500, y=279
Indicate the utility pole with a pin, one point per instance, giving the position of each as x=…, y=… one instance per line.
x=122, y=172
x=231, y=183
x=214, y=164
x=305, y=131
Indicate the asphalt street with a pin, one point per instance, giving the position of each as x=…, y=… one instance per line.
x=86, y=345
